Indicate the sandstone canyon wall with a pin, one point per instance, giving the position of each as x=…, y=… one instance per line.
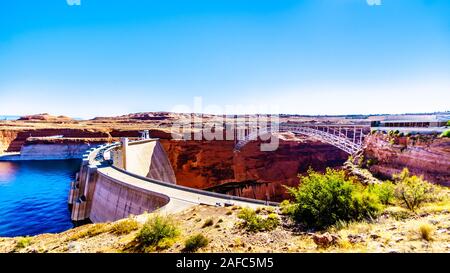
x=209, y=164
x=427, y=155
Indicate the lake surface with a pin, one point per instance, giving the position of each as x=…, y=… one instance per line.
x=33, y=196
x=9, y=117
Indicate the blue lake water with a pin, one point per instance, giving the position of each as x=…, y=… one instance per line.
x=9, y=117
x=33, y=196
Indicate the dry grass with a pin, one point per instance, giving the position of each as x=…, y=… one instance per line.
x=426, y=232
x=208, y=222
x=90, y=231
x=195, y=242
x=125, y=226
x=385, y=234
x=440, y=206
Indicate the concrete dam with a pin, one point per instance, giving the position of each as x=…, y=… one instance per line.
x=130, y=178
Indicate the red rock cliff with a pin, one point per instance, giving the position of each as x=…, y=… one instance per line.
x=206, y=164
x=428, y=156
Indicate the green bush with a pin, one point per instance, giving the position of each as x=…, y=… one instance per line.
x=448, y=123
x=254, y=223
x=412, y=190
x=156, y=232
x=321, y=200
x=385, y=192
x=286, y=207
x=195, y=242
x=446, y=133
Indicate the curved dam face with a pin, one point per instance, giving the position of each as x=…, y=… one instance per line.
x=145, y=158
x=101, y=198
x=116, y=180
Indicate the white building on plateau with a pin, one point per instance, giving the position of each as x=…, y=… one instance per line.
x=415, y=121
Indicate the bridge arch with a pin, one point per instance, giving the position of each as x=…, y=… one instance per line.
x=348, y=138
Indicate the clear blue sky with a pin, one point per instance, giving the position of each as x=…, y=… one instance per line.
x=108, y=57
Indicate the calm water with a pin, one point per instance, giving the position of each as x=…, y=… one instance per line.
x=33, y=196
x=9, y=117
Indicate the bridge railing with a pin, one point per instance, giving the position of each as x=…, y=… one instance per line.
x=348, y=137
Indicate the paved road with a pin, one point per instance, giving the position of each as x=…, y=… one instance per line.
x=179, y=199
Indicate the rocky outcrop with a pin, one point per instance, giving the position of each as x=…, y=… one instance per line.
x=6, y=138
x=422, y=155
x=46, y=117
x=209, y=164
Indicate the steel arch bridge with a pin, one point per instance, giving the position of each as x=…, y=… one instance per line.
x=349, y=138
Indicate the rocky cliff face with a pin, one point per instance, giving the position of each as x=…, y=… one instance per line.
x=427, y=155
x=250, y=172
x=6, y=138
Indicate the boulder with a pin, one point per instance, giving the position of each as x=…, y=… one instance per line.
x=325, y=240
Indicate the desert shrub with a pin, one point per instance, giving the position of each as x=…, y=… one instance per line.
x=23, y=242
x=426, y=232
x=195, y=242
x=272, y=221
x=208, y=222
x=286, y=207
x=125, y=226
x=321, y=200
x=254, y=223
x=157, y=231
x=412, y=191
x=448, y=122
x=385, y=192
x=446, y=133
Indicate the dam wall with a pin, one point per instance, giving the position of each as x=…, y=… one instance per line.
x=101, y=198
x=145, y=158
x=113, y=200
x=117, y=180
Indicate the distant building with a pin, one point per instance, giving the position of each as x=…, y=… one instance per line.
x=412, y=121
